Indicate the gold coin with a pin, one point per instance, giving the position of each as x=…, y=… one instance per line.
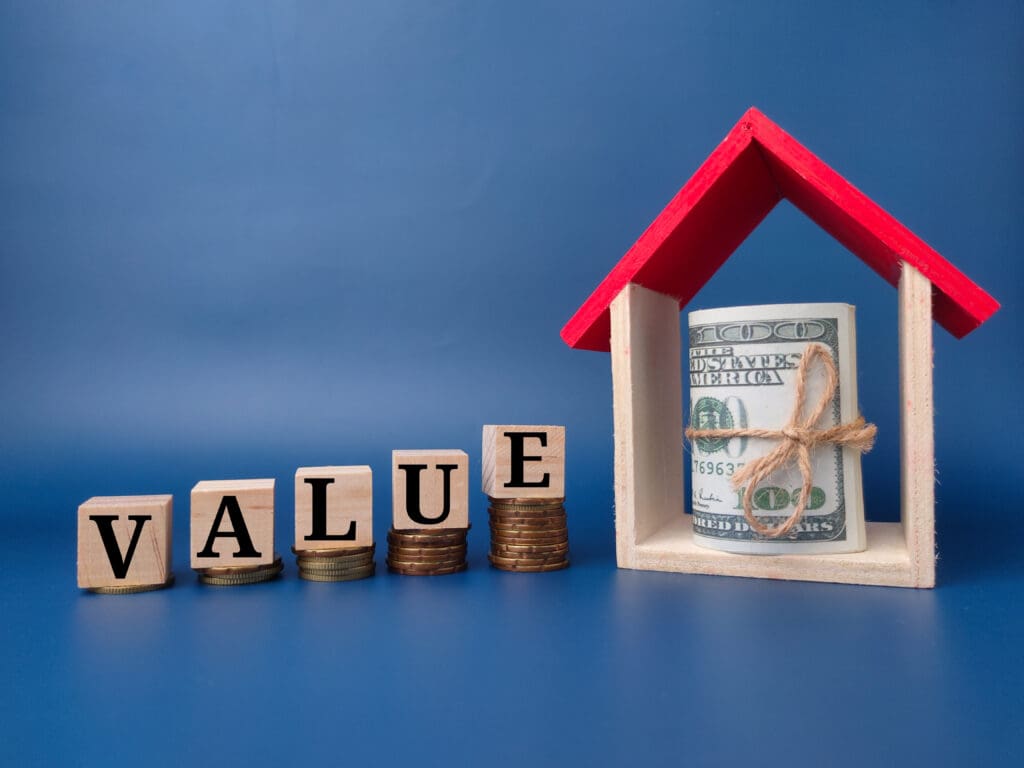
x=528, y=502
x=458, y=535
x=451, y=549
x=426, y=566
x=248, y=577
x=327, y=567
x=532, y=568
x=407, y=571
x=334, y=568
x=398, y=554
x=132, y=589
x=519, y=509
x=532, y=541
x=527, y=511
x=536, y=504
x=511, y=538
x=315, y=577
x=511, y=541
x=335, y=565
x=339, y=552
x=429, y=565
x=501, y=514
x=521, y=522
x=529, y=549
x=493, y=513
x=533, y=512
x=351, y=574
x=528, y=533
x=233, y=570
x=427, y=540
x=411, y=546
x=525, y=559
x=336, y=561
x=429, y=531
x=426, y=557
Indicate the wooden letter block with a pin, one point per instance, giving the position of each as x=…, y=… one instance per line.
x=430, y=489
x=524, y=462
x=124, y=541
x=232, y=523
x=333, y=507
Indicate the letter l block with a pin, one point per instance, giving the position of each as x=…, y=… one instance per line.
x=346, y=494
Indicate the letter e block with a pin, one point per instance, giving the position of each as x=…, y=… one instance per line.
x=524, y=462
x=333, y=507
x=430, y=489
x=124, y=541
x=232, y=523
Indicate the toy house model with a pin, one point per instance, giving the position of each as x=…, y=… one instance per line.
x=634, y=314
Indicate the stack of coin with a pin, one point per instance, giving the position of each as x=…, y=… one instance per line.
x=132, y=589
x=528, y=535
x=237, y=575
x=427, y=551
x=336, y=564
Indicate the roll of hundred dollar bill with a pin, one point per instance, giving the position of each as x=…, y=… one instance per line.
x=743, y=368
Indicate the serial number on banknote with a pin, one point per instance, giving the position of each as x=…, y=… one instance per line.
x=716, y=468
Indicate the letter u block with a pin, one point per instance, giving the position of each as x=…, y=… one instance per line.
x=523, y=462
x=124, y=541
x=232, y=523
x=430, y=489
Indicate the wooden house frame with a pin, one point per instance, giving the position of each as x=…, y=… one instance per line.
x=634, y=314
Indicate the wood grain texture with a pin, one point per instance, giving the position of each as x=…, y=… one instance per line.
x=431, y=482
x=917, y=424
x=349, y=505
x=647, y=397
x=151, y=558
x=255, y=502
x=757, y=165
x=545, y=464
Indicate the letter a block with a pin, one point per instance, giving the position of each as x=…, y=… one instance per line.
x=430, y=489
x=232, y=523
x=124, y=541
x=333, y=507
x=524, y=462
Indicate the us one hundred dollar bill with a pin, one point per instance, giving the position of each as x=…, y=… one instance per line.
x=743, y=364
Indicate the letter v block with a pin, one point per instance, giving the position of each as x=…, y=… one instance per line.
x=124, y=541
x=232, y=523
x=430, y=489
x=333, y=507
x=523, y=462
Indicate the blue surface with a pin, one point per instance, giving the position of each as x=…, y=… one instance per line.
x=239, y=238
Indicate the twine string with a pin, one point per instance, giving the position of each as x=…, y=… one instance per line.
x=797, y=438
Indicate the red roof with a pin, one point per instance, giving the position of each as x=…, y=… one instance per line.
x=757, y=165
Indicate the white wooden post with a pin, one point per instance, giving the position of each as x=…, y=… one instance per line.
x=917, y=425
x=647, y=397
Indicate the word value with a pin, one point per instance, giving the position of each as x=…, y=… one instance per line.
x=125, y=541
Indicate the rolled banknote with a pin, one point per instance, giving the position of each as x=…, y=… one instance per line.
x=743, y=368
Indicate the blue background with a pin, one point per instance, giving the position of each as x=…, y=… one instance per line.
x=239, y=238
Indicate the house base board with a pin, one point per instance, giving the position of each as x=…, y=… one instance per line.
x=886, y=562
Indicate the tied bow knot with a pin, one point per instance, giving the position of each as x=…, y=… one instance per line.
x=796, y=440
